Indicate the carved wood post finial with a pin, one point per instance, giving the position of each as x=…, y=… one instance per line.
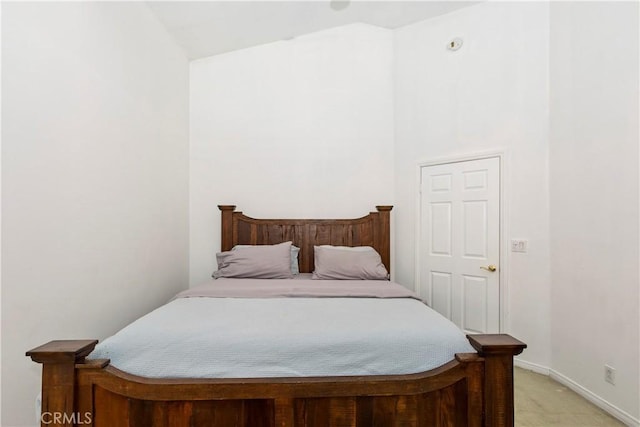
x=498, y=351
x=382, y=231
x=227, y=207
x=58, y=360
x=227, y=226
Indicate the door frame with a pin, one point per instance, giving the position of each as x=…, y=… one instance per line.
x=503, y=246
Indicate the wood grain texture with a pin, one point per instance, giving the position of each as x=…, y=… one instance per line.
x=498, y=351
x=371, y=230
x=473, y=390
x=444, y=407
x=60, y=397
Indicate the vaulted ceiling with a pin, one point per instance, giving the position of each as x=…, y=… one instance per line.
x=205, y=28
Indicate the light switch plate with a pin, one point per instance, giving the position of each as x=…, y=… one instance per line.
x=519, y=245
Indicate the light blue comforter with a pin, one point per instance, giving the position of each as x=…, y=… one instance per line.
x=244, y=337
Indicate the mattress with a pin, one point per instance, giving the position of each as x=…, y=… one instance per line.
x=253, y=328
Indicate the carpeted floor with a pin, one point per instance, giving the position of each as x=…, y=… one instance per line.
x=542, y=402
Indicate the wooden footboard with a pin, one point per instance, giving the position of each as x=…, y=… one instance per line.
x=475, y=389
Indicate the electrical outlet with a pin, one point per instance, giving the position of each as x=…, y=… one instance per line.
x=609, y=374
x=519, y=245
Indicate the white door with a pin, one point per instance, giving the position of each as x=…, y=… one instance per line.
x=459, y=243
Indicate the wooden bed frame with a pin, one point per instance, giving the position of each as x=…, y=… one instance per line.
x=474, y=389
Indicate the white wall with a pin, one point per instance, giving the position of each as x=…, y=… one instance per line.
x=96, y=161
x=94, y=164
x=489, y=95
x=594, y=198
x=300, y=128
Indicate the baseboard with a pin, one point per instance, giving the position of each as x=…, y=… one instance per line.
x=612, y=410
x=538, y=369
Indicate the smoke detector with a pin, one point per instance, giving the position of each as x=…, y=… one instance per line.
x=455, y=43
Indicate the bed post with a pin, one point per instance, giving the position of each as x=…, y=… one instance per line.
x=384, y=238
x=498, y=351
x=58, y=359
x=227, y=226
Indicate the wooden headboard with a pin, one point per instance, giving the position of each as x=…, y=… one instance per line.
x=371, y=230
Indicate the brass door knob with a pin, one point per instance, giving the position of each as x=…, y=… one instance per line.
x=490, y=268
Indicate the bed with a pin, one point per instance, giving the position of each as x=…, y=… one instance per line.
x=473, y=387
